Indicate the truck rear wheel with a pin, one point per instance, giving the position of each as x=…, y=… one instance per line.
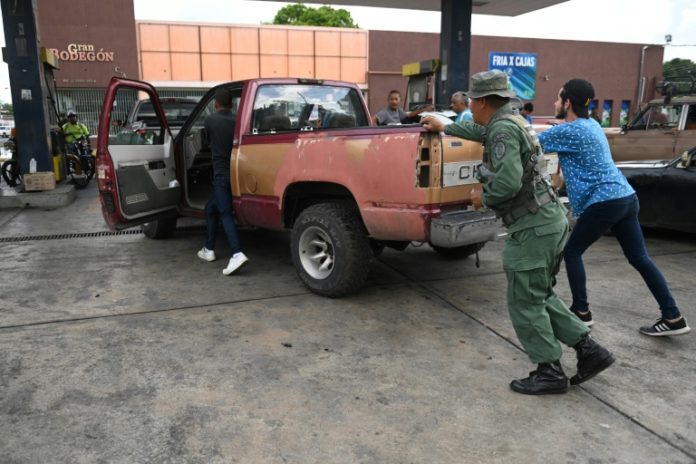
x=159, y=228
x=459, y=252
x=330, y=249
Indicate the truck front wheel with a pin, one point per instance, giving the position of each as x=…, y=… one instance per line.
x=159, y=228
x=330, y=249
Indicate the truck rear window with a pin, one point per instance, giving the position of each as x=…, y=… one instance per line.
x=295, y=107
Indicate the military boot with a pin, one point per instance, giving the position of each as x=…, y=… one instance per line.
x=593, y=358
x=549, y=378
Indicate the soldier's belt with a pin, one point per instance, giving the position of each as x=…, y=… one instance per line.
x=531, y=206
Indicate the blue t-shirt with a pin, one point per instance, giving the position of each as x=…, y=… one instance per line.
x=589, y=172
x=464, y=116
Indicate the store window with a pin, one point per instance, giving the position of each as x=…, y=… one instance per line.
x=606, y=112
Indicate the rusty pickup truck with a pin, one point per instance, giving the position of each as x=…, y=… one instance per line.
x=663, y=130
x=306, y=159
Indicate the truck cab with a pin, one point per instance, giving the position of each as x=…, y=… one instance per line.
x=664, y=129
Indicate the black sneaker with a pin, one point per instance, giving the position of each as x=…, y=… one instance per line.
x=585, y=317
x=663, y=328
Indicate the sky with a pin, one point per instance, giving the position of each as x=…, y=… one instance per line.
x=625, y=21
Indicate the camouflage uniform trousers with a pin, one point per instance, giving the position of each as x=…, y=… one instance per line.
x=541, y=319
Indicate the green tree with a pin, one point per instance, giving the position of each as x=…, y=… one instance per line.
x=298, y=14
x=679, y=69
x=681, y=74
x=6, y=108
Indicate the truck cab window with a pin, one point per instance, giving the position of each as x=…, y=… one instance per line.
x=691, y=118
x=302, y=107
x=658, y=117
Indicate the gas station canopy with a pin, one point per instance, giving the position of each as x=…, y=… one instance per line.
x=488, y=7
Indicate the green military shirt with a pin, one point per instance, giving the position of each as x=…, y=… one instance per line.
x=505, y=146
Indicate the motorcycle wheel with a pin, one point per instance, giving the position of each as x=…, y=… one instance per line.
x=78, y=176
x=10, y=172
x=88, y=167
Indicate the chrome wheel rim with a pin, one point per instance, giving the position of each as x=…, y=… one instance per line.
x=316, y=253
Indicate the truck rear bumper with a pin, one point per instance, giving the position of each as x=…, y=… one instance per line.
x=459, y=228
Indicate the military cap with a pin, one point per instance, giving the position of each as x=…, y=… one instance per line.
x=493, y=82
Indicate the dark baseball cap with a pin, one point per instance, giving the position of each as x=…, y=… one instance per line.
x=578, y=91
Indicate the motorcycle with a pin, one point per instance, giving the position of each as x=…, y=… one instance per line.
x=80, y=162
x=10, y=168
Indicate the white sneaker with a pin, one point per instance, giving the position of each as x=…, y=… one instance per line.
x=206, y=254
x=236, y=261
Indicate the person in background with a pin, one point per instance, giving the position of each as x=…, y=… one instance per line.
x=595, y=115
x=517, y=191
x=526, y=111
x=393, y=114
x=603, y=200
x=460, y=105
x=73, y=130
x=220, y=128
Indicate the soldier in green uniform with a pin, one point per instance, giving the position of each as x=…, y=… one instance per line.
x=516, y=187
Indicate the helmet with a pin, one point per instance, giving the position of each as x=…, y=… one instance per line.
x=71, y=113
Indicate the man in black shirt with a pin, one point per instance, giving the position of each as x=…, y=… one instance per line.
x=220, y=129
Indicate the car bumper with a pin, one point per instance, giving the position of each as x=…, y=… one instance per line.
x=460, y=228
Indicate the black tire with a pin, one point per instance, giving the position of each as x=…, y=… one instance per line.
x=90, y=169
x=159, y=228
x=330, y=249
x=377, y=247
x=10, y=172
x=79, y=176
x=459, y=252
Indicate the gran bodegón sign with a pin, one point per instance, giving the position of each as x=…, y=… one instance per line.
x=83, y=52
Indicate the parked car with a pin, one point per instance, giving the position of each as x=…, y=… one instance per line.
x=666, y=190
x=5, y=130
x=176, y=110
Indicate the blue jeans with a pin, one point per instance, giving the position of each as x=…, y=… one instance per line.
x=219, y=208
x=621, y=217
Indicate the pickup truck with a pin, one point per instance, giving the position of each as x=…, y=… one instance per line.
x=663, y=130
x=306, y=159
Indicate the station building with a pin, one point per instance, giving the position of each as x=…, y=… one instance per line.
x=185, y=59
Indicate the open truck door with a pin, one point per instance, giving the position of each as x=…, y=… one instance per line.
x=136, y=168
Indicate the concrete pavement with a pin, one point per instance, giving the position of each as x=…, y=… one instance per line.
x=128, y=350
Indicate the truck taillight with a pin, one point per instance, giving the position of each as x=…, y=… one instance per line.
x=105, y=173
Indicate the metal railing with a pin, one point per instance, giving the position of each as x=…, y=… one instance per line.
x=87, y=103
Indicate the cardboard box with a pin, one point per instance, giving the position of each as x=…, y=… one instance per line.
x=39, y=181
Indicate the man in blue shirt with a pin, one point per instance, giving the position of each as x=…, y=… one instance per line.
x=527, y=111
x=602, y=200
x=459, y=103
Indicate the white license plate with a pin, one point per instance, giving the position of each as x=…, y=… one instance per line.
x=460, y=173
